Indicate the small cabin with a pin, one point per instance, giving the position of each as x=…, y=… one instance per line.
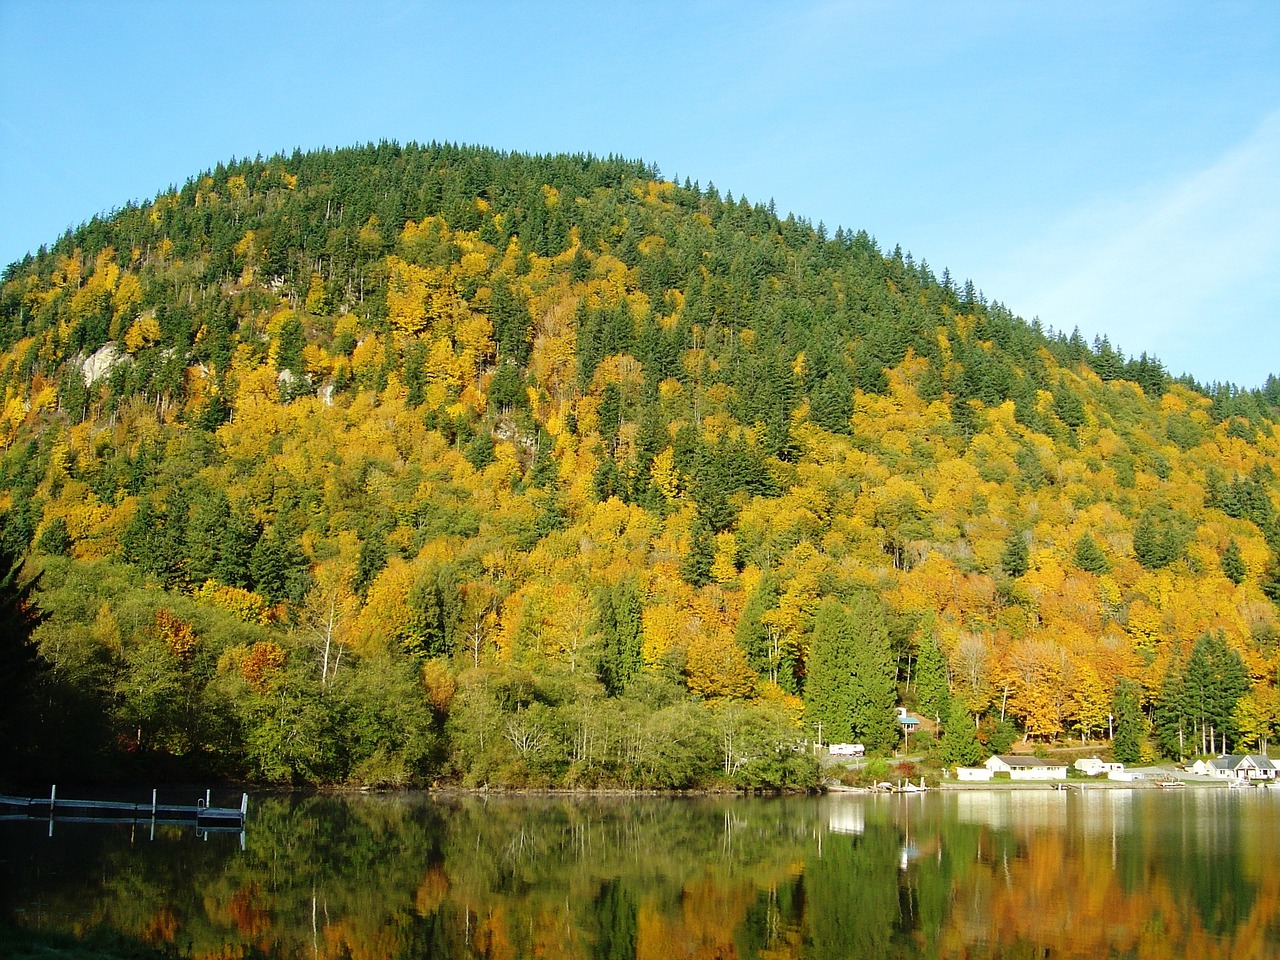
x=1094, y=767
x=907, y=722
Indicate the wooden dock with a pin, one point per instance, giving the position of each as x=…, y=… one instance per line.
x=200, y=814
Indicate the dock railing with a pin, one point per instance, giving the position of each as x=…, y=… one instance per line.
x=202, y=813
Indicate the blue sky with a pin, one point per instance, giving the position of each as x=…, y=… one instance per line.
x=1109, y=166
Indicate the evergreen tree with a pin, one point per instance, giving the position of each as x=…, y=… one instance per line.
x=55, y=539
x=1089, y=556
x=753, y=635
x=618, y=624
x=1016, y=559
x=1002, y=735
x=22, y=670
x=1232, y=562
x=435, y=608
x=1215, y=680
x=696, y=565
x=960, y=745
x=1158, y=538
x=873, y=685
x=1196, y=709
x=1172, y=714
x=828, y=690
x=1127, y=745
x=932, y=691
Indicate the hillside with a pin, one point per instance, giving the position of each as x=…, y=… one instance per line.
x=397, y=464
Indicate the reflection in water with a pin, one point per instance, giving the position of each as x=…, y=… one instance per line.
x=968, y=874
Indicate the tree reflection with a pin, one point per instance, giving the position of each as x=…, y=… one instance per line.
x=375, y=878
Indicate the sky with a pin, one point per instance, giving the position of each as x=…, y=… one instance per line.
x=1107, y=166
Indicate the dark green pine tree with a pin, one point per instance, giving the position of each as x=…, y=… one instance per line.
x=753, y=634
x=1198, y=698
x=22, y=670
x=1232, y=562
x=55, y=538
x=1215, y=680
x=1089, y=556
x=828, y=688
x=1016, y=559
x=618, y=624
x=696, y=565
x=1173, y=715
x=874, y=681
x=435, y=608
x=960, y=745
x=933, y=696
x=1127, y=745
x=1158, y=538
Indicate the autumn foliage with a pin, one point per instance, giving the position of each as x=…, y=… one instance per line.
x=554, y=449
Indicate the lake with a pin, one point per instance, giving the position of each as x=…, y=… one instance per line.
x=966, y=874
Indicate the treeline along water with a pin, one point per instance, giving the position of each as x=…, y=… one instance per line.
x=973, y=874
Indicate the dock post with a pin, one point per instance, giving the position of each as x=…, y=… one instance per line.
x=244, y=808
x=53, y=798
x=154, y=791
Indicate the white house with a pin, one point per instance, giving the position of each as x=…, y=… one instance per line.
x=846, y=749
x=1093, y=767
x=1249, y=767
x=1027, y=768
x=973, y=773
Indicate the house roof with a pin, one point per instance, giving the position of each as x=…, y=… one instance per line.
x=1012, y=760
x=1234, y=761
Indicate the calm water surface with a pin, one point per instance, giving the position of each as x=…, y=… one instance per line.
x=1142, y=873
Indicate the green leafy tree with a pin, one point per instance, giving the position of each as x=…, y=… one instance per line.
x=1196, y=708
x=1001, y=734
x=435, y=612
x=55, y=539
x=757, y=638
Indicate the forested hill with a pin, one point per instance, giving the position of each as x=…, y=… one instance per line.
x=396, y=464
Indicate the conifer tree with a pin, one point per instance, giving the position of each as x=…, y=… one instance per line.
x=696, y=566
x=960, y=745
x=1016, y=559
x=1127, y=745
x=618, y=624
x=21, y=667
x=873, y=682
x=932, y=692
x=828, y=689
x=753, y=635
x=1089, y=556
x=1233, y=567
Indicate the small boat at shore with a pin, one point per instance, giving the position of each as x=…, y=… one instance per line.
x=1166, y=784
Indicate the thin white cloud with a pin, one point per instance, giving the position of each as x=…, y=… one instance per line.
x=1186, y=270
